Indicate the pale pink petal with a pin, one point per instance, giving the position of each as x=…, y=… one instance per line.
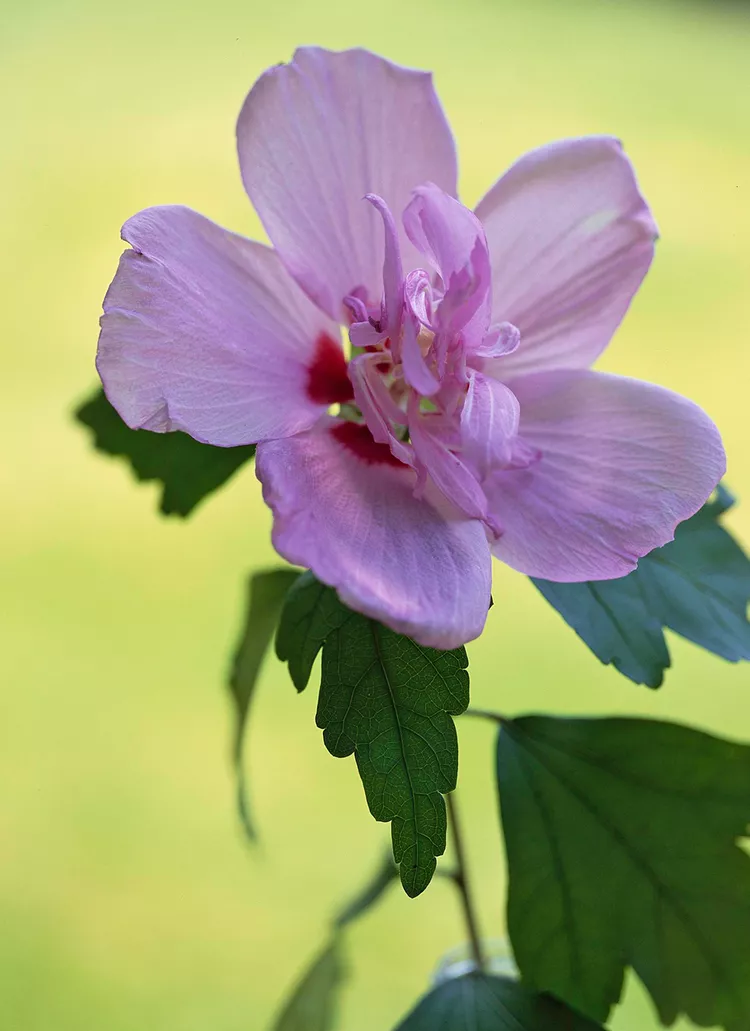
x=442, y=229
x=364, y=334
x=489, y=423
x=356, y=308
x=498, y=341
x=393, y=273
x=314, y=137
x=620, y=464
x=379, y=409
x=345, y=508
x=452, y=240
x=206, y=332
x=570, y=240
x=416, y=370
x=435, y=458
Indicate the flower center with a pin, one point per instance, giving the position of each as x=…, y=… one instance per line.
x=328, y=380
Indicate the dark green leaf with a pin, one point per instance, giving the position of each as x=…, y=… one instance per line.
x=373, y=891
x=313, y=1003
x=480, y=1002
x=312, y=611
x=389, y=701
x=187, y=470
x=698, y=586
x=265, y=596
x=621, y=837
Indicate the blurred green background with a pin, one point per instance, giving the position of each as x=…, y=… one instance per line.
x=128, y=898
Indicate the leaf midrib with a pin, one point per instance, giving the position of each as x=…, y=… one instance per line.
x=402, y=745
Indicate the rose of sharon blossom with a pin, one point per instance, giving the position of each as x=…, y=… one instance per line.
x=467, y=421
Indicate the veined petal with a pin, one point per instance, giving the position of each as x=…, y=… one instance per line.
x=315, y=137
x=205, y=331
x=393, y=272
x=498, y=341
x=570, y=240
x=489, y=423
x=344, y=507
x=452, y=240
x=456, y=480
x=622, y=463
x=416, y=370
x=377, y=406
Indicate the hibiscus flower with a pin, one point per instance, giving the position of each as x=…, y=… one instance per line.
x=462, y=419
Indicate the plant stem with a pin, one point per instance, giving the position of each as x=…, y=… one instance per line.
x=485, y=714
x=461, y=879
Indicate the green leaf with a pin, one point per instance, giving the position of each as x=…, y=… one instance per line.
x=621, y=837
x=372, y=892
x=312, y=611
x=481, y=1002
x=265, y=596
x=187, y=470
x=389, y=701
x=698, y=585
x=313, y=1003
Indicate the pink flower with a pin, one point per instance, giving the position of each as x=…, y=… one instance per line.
x=471, y=423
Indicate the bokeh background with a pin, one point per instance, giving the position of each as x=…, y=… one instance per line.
x=128, y=897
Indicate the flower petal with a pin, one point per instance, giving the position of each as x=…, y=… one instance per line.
x=417, y=372
x=205, y=331
x=570, y=240
x=431, y=437
x=393, y=272
x=489, y=423
x=499, y=340
x=622, y=463
x=453, y=241
x=379, y=409
x=344, y=507
x=314, y=137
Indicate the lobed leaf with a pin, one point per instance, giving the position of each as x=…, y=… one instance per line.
x=266, y=592
x=482, y=1002
x=313, y=1003
x=622, y=843
x=389, y=701
x=187, y=470
x=698, y=585
x=312, y=612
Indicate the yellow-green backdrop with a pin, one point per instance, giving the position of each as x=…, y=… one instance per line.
x=128, y=899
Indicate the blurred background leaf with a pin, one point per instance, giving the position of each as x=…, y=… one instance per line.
x=187, y=469
x=314, y=1001
x=127, y=897
x=481, y=1002
x=313, y=1004
x=266, y=592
